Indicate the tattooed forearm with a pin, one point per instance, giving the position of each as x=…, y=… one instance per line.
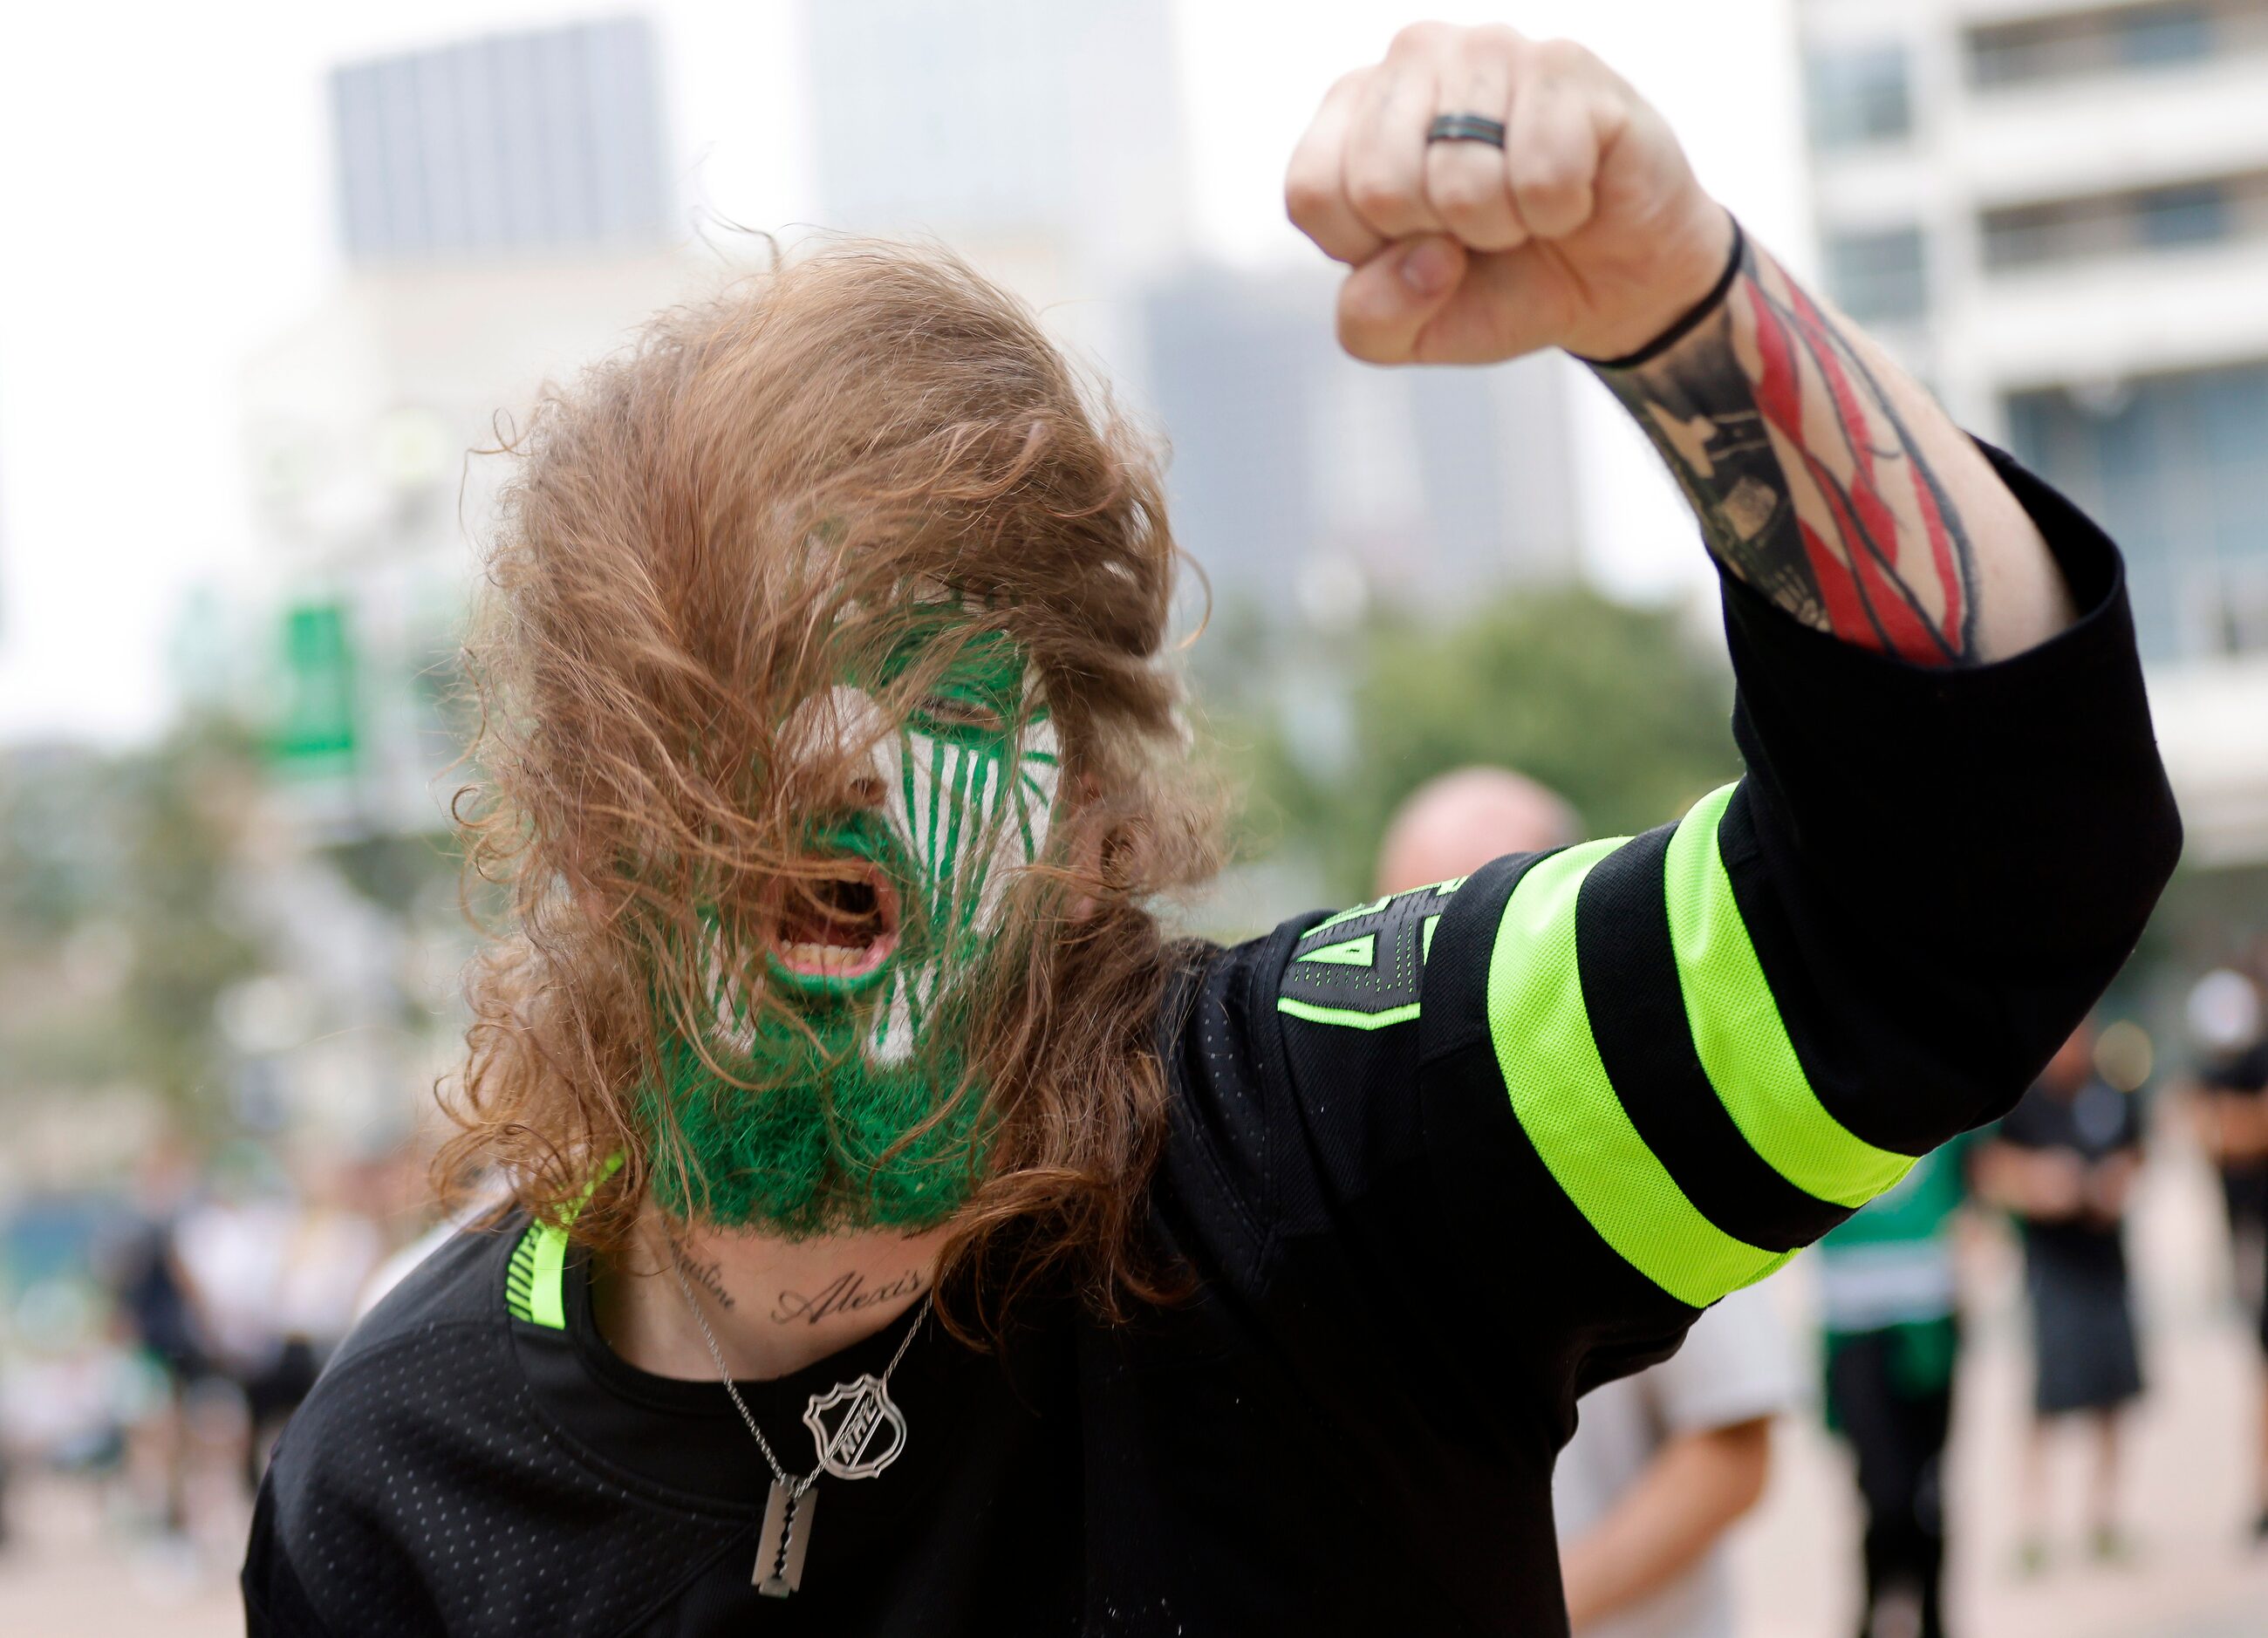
x=1806, y=481
x=845, y=1294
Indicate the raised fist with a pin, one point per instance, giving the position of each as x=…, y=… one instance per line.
x=1585, y=229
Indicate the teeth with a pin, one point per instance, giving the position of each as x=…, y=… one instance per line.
x=830, y=959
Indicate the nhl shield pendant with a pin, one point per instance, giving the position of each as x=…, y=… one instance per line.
x=786, y=1538
x=859, y=1430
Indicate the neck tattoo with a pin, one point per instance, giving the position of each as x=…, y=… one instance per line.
x=845, y=1294
x=710, y=1276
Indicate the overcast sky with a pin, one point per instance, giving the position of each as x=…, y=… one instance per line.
x=165, y=180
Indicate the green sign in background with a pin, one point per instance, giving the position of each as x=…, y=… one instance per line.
x=314, y=727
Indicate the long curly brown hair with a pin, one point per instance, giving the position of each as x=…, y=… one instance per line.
x=697, y=535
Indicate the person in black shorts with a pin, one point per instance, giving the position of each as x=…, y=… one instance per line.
x=2064, y=1163
x=1890, y=1312
x=2232, y=1087
x=906, y=1234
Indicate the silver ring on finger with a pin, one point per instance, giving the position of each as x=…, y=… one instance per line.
x=1465, y=128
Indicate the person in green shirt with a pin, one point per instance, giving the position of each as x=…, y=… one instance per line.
x=1890, y=1304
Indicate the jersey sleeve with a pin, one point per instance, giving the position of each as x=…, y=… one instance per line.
x=275, y=1603
x=1649, y=1070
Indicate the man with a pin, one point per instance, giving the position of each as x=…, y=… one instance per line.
x=2064, y=1163
x=832, y=765
x=1664, y=1462
x=1891, y=1310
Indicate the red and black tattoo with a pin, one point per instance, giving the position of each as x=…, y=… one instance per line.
x=1806, y=483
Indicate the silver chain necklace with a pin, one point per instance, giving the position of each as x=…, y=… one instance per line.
x=866, y=1437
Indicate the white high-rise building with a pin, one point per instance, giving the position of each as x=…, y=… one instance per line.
x=505, y=207
x=1003, y=122
x=1039, y=140
x=514, y=144
x=1299, y=476
x=2057, y=212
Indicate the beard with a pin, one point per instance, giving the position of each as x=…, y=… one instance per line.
x=810, y=1134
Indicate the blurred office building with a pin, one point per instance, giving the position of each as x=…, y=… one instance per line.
x=1041, y=140
x=1302, y=480
x=506, y=214
x=2058, y=215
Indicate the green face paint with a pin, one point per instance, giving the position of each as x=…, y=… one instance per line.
x=969, y=786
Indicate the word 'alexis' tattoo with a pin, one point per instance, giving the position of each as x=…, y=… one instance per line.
x=845, y=1294
x=1806, y=483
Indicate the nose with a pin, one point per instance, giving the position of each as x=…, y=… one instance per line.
x=819, y=744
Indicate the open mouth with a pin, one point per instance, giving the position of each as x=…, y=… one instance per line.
x=835, y=926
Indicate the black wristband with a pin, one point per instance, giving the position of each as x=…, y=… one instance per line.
x=1691, y=321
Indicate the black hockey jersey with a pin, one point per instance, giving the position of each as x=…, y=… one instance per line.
x=1439, y=1163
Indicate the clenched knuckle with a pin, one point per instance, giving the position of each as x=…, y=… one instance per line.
x=1561, y=57
x=1498, y=39
x=1376, y=193
x=1557, y=201
x=1461, y=192
x=1548, y=182
x=1552, y=191
x=1419, y=38
x=1307, y=191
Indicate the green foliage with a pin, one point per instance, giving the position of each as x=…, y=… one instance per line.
x=183, y=808
x=115, y=932
x=1610, y=705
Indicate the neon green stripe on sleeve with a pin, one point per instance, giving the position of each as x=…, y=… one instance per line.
x=1740, y=1036
x=1569, y=1109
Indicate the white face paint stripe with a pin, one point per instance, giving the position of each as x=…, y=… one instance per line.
x=934, y=789
x=954, y=857
x=981, y=858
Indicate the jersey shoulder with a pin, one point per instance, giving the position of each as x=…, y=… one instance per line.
x=420, y=1490
x=1292, y=1060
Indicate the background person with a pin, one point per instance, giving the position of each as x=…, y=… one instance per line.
x=1889, y=1309
x=233, y=1243
x=2231, y=1088
x=1664, y=1462
x=332, y=1245
x=158, y=1314
x=2064, y=1163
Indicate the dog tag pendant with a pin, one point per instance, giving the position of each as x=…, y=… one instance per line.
x=786, y=1538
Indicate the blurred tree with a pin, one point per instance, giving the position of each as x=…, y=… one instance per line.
x=116, y=935
x=1614, y=707
x=186, y=805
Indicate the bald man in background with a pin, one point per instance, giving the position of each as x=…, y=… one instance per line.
x=1664, y=1462
x=1452, y=825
